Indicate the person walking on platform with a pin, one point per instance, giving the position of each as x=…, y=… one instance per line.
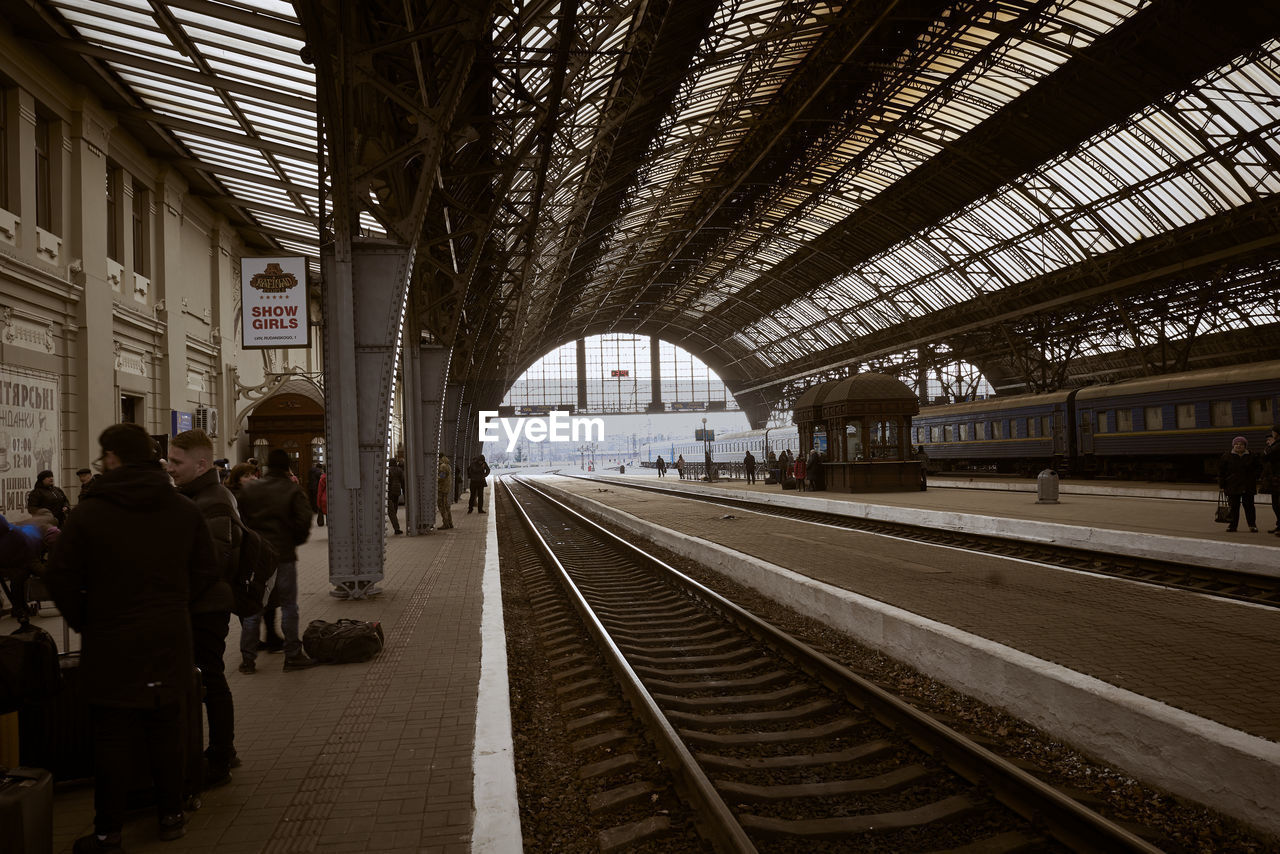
x=799, y=471
x=278, y=509
x=476, y=473
x=395, y=485
x=662, y=466
x=313, y=490
x=1269, y=482
x=1238, y=478
x=749, y=467
x=46, y=496
x=322, y=496
x=680, y=466
x=444, y=479
x=125, y=571
x=190, y=464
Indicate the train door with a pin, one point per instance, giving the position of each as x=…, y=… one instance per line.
x=1086, y=431
x=1059, y=432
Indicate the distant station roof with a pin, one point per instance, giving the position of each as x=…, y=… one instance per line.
x=1056, y=192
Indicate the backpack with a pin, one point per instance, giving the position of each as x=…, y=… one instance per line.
x=343, y=642
x=252, y=576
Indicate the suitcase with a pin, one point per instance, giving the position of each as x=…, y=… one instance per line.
x=26, y=811
x=57, y=733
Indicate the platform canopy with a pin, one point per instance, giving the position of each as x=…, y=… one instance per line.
x=1056, y=192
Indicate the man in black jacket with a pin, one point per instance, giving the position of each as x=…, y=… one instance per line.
x=190, y=464
x=1238, y=478
x=277, y=508
x=124, y=573
x=477, y=471
x=395, y=485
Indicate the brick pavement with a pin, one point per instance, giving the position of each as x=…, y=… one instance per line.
x=360, y=757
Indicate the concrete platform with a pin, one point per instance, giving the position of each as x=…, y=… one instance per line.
x=1178, y=688
x=388, y=756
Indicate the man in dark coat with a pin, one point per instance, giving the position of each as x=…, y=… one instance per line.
x=275, y=507
x=87, y=477
x=477, y=471
x=46, y=496
x=313, y=491
x=124, y=572
x=749, y=467
x=1238, y=478
x=190, y=464
x=395, y=485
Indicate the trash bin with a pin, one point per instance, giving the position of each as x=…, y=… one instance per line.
x=1047, y=487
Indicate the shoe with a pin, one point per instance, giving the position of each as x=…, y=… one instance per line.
x=247, y=667
x=398, y=532
x=216, y=775
x=262, y=646
x=301, y=661
x=469, y=509
x=1231, y=530
x=1252, y=530
x=172, y=827
x=273, y=645
x=484, y=511
x=1275, y=530
x=92, y=844
x=235, y=761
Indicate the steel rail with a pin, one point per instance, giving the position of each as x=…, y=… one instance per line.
x=1065, y=819
x=719, y=823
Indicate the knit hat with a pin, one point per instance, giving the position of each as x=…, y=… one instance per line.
x=278, y=460
x=1240, y=439
x=43, y=475
x=84, y=471
x=129, y=442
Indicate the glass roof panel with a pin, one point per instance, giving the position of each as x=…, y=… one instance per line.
x=223, y=50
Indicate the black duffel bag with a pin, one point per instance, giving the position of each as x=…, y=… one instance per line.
x=343, y=642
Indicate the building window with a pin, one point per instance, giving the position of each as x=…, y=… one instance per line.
x=1124, y=420
x=1153, y=416
x=4, y=149
x=141, y=232
x=1260, y=412
x=114, y=247
x=1186, y=414
x=1220, y=414
x=44, y=177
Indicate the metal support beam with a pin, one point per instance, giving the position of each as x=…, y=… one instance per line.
x=364, y=311
x=426, y=366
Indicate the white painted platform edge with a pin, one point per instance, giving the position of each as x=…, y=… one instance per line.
x=495, y=827
x=1188, y=755
x=1238, y=556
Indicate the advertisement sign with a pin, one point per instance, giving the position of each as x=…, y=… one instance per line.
x=620, y=372
x=30, y=431
x=273, y=302
x=179, y=422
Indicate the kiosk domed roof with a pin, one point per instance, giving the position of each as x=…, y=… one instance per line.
x=860, y=388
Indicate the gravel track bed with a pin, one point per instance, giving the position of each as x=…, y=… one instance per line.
x=1176, y=826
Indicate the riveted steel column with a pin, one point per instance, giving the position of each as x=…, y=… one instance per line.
x=364, y=314
x=431, y=364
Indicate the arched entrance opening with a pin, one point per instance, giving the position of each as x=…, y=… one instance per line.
x=292, y=419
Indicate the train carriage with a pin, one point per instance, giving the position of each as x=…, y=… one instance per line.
x=1020, y=434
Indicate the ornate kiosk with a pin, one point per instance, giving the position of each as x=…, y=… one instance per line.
x=862, y=427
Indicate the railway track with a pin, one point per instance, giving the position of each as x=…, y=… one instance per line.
x=1227, y=584
x=774, y=746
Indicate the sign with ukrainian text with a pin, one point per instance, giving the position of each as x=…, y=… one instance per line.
x=30, y=434
x=273, y=302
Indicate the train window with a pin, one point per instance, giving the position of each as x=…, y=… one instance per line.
x=1153, y=417
x=1260, y=411
x=1124, y=420
x=1220, y=414
x=1046, y=425
x=1186, y=416
x=997, y=429
x=980, y=430
x=964, y=432
x=853, y=441
x=1102, y=422
x=948, y=433
x=1032, y=428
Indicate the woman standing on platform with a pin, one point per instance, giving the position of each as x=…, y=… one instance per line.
x=1238, y=478
x=1270, y=480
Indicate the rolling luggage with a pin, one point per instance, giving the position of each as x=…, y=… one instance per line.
x=56, y=733
x=26, y=811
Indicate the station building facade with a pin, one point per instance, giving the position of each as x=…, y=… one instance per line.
x=119, y=290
